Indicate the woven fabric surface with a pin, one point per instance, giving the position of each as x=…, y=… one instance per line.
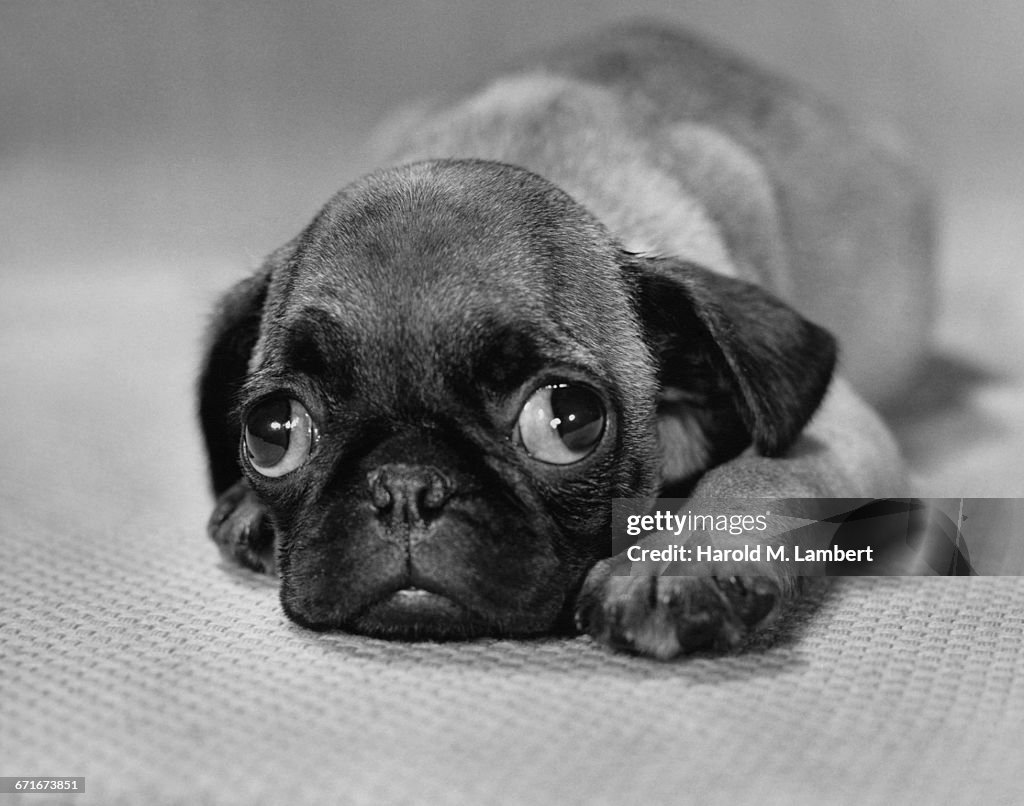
x=131, y=656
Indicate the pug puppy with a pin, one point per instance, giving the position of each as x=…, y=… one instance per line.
x=606, y=273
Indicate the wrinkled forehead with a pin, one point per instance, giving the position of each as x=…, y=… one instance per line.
x=437, y=254
x=452, y=230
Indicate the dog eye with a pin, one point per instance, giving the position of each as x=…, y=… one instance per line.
x=561, y=423
x=278, y=436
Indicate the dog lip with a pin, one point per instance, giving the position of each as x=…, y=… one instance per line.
x=415, y=612
x=413, y=596
x=412, y=593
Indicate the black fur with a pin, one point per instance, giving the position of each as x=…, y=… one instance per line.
x=230, y=341
x=725, y=338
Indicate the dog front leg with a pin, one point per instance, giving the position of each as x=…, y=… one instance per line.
x=242, y=530
x=845, y=452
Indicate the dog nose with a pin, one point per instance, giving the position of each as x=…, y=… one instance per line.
x=409, y=493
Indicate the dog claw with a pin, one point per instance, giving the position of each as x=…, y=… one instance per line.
x=664, y=617
x=240, y=528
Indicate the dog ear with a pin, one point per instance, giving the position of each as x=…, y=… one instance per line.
x=232, y=335
x=736, y=364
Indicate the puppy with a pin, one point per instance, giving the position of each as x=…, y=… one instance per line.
x=596, y=276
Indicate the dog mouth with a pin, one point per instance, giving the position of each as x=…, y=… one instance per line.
x=413, y=613
x=417, y=603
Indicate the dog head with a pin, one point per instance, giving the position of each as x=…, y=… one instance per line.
x=438, y=388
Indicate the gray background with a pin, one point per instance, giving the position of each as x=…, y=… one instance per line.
x=220, y=126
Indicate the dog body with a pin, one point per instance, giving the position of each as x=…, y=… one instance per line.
x=587, y=279
x=683, y=151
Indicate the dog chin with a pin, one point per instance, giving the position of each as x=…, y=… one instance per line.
x=416, y=614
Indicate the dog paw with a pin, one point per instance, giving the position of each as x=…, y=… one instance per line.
x=241, y=529
x=668, y=616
